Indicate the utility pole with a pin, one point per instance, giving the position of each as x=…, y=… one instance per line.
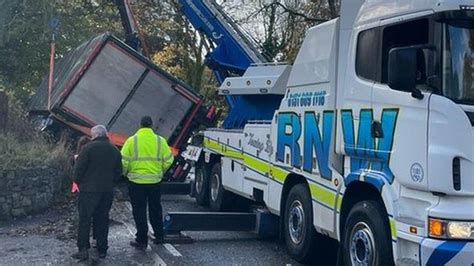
x=54, y=25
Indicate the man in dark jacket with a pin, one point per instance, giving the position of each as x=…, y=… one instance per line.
x=98, y=166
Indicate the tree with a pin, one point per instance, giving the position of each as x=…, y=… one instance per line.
x=24, y=38
x=281, y=24
x=174, y=44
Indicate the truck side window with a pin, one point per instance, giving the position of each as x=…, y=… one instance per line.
x=368, y=45
x=401, y=35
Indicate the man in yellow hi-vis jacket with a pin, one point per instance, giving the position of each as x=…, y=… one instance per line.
x=145, y=158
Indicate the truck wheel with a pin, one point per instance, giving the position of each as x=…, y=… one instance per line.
x=300, y=235
x=219, y=198
x=367, y=239
x=201, y=184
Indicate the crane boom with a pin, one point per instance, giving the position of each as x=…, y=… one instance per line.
x=232, y=53
x=234, y=50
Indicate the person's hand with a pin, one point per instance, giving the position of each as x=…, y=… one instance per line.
x=75, y=187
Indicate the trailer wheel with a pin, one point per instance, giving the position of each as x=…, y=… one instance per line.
x=366, y=239
x=300, y=235
x=219, y=198
x=201, y=184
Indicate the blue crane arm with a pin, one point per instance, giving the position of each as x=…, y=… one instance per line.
x=233, y=51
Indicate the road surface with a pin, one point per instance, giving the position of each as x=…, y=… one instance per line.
x=49, y=239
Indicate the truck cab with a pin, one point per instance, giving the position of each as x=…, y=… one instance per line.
x=371, y=142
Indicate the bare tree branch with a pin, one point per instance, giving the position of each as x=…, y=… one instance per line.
x=294, y=12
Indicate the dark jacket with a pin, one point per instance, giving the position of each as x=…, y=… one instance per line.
x=98, y=166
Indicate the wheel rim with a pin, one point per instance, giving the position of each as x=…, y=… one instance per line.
x=362, y=245
x=296, y=222
x=199, y=180
x=215, y=184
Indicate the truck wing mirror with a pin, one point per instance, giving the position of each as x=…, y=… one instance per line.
x=402, y=63
x=406, y=67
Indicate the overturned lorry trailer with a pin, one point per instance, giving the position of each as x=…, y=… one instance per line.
x=104, y=81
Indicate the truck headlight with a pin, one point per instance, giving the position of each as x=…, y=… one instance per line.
x=445, y=229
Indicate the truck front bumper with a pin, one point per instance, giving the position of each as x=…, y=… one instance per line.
x=442, y=252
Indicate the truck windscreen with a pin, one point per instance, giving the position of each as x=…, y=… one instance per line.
x=458, y=61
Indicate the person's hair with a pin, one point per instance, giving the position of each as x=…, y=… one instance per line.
x=98, y=131
x=81, y=143
x=146, y=121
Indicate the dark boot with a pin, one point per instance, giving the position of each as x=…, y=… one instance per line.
x=137, y=245
x=82, y=255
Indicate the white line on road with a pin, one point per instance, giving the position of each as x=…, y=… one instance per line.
x=158, y=261
x=171, y=249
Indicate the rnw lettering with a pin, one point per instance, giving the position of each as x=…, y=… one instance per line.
x=366, y=152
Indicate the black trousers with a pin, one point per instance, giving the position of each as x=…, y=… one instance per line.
x=93, y=223
x=140, y=197
x=96, y=206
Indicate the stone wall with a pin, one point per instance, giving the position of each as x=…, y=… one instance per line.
x=28, y=191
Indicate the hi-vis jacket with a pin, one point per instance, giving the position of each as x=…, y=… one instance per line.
x=146, y=157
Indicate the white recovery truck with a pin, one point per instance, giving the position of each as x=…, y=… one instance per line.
x=373, y=141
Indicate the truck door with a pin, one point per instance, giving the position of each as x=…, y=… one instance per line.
x=398, y=120
x=382, y=131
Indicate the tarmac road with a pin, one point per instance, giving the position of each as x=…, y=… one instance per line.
x=49, y=239
x=223, y=248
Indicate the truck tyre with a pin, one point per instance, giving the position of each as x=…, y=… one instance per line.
x=366, y=239
x=300, y=235
x=219, y=198
x=201, y=184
